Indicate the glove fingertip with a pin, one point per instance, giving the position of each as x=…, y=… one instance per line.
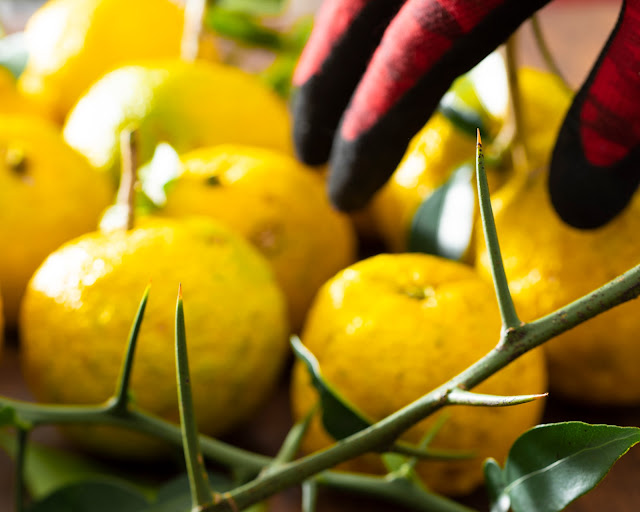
x=587, y=196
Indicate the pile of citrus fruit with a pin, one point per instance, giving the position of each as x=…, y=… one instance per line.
x=261, y=254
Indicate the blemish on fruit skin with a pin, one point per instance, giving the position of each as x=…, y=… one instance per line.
x=267, y=238
x=16, y=160
x=213, y=181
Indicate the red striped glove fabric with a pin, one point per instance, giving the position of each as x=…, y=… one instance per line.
x=374, y=71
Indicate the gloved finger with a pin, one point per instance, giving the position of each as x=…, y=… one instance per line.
x=345, y=35
x=426, y=46
x=595, y=167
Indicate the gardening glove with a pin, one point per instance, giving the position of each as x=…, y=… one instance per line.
x=374, y=71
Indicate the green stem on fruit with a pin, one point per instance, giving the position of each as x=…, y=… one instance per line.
x=197, y=473
x=120, y=401
x=545, y=51
x=194, y=11
x=129, y=175
x=21, y=457
x=508, y=313
x=519, y=152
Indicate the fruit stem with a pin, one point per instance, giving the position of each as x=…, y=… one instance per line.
x=519, y=152
x=194, y=11
x=196, y=471
x=508, y=313
x=545, y=51
x=129, y=175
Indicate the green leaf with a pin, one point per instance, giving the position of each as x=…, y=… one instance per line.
x=13, y=53
x=494, y=482
x=92, y=497
x=243, y=28
x=339, y=417
x=444, y=223
x=176, y=494
x=255, y=7
x=8, y=416
x=478, y=99
x=48, y=469
x=550, y=466
x=278, y=76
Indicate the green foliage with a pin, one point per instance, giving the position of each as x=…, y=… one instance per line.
x=92, y=496
x=47, y=469
x=443, y=224
x=243, y=28
x=339, y=417
x=255, y=7
x=550, y=466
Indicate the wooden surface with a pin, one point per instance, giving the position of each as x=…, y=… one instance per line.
x=576, y=31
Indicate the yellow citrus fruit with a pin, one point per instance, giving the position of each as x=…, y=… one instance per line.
x=278, y=205
x=438, y=149
x=545, y=101
x=550, y=264
x=48, y=195
x=391, y=328
x=81, y=302
x=71, y=43
x=12, y=102
x=187, y=105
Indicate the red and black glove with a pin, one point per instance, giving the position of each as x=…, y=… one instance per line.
x=374, y=71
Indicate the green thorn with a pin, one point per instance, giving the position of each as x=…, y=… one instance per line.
x=200, y=491
x=462, y=397
x=120, y=401
x=505, y=302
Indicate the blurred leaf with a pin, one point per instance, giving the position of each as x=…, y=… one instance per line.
x=443, y=224
x=255, y=7
x=243, y=28
x=13, y=53
x=176, y=494
x=92, y=497
x=550, y=466
x=340, y=419
x=278, y=75
x=48, y=469
x=298, y=35
x=494, y=482
x=8, y=417
x=478, y=99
